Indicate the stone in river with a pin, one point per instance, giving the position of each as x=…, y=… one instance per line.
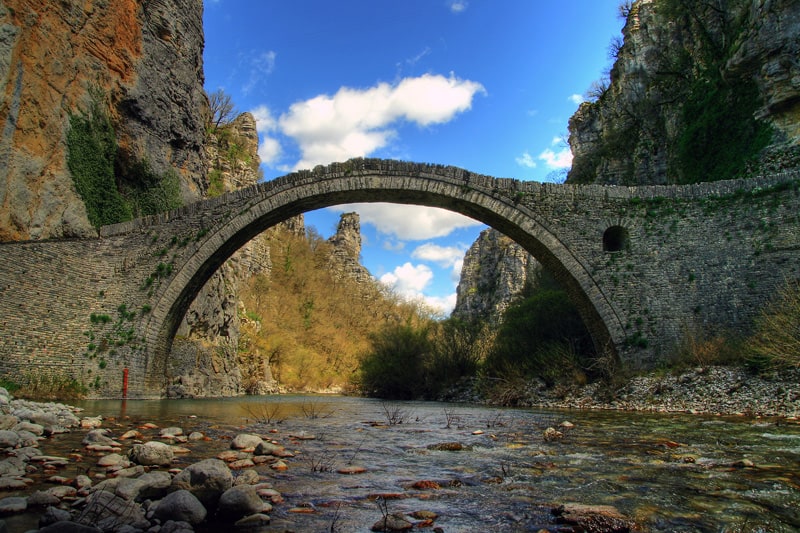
x=151, y=454
x=245, y=441
x=552, y=434
x=13, y=505
x=170, y=432
x=247, y=477
x=240, y=501
x=255, y=522
x=91, y=422
x=279, y=466
x=196, y=435
x=393, y=522
x=206, y=479
x=352, y=469
x=181, y=505
x=112, y=459
x=593, y=518
x=131, y=434
x=268, y=448
x=241, y=463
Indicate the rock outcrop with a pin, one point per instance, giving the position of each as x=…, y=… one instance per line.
x=496, y=270
x=144, y=57
x=204, y=355
x=346, y=249
x=698, y=92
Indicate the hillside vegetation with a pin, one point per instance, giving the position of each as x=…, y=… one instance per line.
x=309, y=323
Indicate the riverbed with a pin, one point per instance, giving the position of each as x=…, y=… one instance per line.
x=479, y=467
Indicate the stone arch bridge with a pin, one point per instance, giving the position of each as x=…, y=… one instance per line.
x=645, y=265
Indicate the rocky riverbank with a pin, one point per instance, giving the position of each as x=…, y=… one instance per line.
x=715, y=390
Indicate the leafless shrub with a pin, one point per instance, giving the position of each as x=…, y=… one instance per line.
x=265, y=412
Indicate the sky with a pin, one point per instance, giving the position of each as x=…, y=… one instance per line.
x=485, y=85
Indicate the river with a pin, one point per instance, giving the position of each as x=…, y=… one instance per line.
x=667, y=472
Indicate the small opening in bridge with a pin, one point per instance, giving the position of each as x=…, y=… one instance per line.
x=615, y=239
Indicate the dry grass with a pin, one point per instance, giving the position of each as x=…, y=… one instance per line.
x=776, y=341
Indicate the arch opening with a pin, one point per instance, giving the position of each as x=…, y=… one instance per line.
x=616, y=239
x=515, y=221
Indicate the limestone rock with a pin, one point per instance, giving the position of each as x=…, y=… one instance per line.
x=206, y=479
x=240, y=501
x=631, y=132
x=152, y=453
x=494, y=273
x=146, y=58
x=181, y=505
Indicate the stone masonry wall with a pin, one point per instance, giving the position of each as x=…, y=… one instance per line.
x=703, y=257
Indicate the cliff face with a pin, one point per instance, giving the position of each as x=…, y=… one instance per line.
x=204, y=359
x=699, y=91
x=495, y=272
x=144, y=56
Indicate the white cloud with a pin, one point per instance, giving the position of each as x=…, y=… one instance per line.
x=260, y=65
x=556, y=160
x=444, y=256
x=458, y=6
x=269, y=148
x=265, y=122
x=357, y=122
x=526, y=160
x=409, y=222
x=408, y=280
x=576, y=99
x=442, y=304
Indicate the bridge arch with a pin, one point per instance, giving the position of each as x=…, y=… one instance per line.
x=480, y=197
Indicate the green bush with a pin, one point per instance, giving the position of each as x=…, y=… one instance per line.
x=394, y=367
x=720, y=132
x=91, y=149
x=112, y=189
x=542, y=336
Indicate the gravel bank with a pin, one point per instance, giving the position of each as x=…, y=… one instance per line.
x=711, y=390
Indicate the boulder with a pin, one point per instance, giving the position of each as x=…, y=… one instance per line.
x=181, y=505
x=245, y=441
x=108, y=510
x=8, y=439
x=207, y=480
x=151, y=454
x=240, y=501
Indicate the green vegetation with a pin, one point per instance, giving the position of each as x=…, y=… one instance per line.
x=113, y=188
x=720, y=134
x=39, y=385
x=92, y=149
x=542, y=336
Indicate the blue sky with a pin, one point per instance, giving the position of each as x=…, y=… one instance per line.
x=486, y=85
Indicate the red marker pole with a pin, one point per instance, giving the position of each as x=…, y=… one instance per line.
x=124, y=383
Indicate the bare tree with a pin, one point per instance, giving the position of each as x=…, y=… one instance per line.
x=221, y=109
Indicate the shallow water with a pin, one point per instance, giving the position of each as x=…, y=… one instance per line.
x=668, y=472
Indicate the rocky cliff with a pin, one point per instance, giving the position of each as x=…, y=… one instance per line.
x=144, y=57
x=496, y=270
x=698, y=91
x=346, y=249
x=204, y=359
